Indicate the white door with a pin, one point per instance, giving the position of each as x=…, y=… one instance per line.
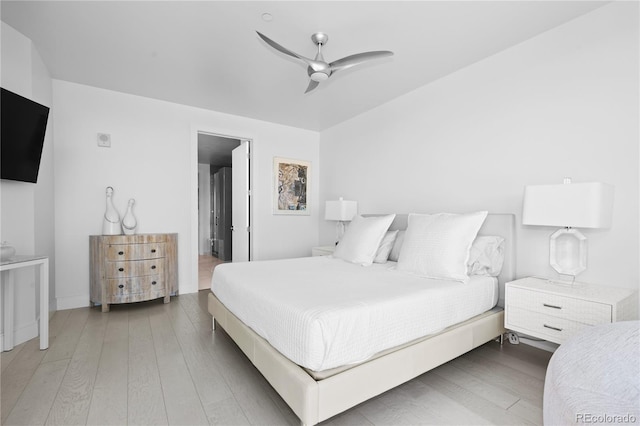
x=241, y=192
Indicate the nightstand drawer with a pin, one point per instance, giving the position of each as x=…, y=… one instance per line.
x=561, y=307
x=551, y=328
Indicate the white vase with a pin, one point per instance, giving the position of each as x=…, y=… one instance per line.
x=111, y=220
x=129, y=222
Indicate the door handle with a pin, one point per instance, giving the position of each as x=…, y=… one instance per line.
x=232, y=228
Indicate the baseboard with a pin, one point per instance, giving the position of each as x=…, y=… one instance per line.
x=72, y=302
x=22, y=334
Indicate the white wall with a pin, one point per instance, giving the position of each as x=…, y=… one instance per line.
x=153, y=158
x=564, y=103
x=27, y=209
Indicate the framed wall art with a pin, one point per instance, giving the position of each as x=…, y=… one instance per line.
x=291, y=186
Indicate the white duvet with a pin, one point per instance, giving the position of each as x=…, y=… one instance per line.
x=322, y=312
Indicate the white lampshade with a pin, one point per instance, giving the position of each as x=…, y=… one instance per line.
x=341, y=210
x=576, y=205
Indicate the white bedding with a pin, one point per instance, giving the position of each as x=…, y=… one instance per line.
x=322, y=312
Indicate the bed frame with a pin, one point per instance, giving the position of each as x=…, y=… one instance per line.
x=315, y=400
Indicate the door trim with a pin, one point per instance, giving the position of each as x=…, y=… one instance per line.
x=191, y=286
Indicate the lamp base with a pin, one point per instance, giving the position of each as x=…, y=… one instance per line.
x=568, y=251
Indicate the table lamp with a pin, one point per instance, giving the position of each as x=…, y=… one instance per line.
x=342, y=211
x=569, y=205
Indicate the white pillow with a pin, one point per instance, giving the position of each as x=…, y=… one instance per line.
x=382, y=255
x=437, y=245
x=362, y=239
x=486, y=256
x=397, y=246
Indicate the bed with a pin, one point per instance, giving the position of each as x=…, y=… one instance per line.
x=329, y=378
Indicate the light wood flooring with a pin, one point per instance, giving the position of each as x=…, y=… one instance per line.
x=151, y=363
x=206, y=265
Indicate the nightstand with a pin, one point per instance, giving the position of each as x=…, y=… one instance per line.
x=322, y=251
x=555, y=311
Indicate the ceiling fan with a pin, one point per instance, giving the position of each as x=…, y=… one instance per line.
x=317, y=68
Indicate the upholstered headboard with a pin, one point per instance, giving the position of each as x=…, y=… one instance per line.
x=503, y=225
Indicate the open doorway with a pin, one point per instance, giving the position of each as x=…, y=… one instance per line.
x=215, y=203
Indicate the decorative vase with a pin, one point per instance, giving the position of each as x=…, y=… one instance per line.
x=6, y=251
x=129, y=222
x=111, y=221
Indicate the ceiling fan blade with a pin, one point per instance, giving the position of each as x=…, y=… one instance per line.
x=312, y=85
x=286, y=51
x=358, y=58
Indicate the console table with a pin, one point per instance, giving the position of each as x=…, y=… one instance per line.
x=8, y=296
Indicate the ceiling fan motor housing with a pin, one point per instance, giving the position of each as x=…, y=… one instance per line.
x=318, y=75
x=319, y=38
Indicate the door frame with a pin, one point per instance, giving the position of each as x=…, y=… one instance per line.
x=192, y=286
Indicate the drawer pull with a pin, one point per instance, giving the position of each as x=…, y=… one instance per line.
x=121, y=269
x=153, y=283
x=121, y=286
x=120, y=253
x=153, y=266
x=551, y=306
x=153, y=250
x=552, y=328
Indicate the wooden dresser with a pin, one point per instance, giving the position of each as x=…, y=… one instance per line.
x=132, y=268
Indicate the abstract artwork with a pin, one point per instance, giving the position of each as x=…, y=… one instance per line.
x=291, y=187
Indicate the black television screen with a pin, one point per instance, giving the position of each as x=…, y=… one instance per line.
x=23, y=123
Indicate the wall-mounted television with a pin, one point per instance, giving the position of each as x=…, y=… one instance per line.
x=23, y=123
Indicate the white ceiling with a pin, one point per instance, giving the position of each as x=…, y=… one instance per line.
x=207, y=53
x=215, y=150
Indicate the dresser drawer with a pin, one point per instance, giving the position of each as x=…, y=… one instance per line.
x=134, y=268
x=578, y=310
x=136, y=285
x=537, y=324
x=135, y=251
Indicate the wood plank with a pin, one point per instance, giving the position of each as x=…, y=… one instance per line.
x=57, y=323
x=145, y=399
x=35, y=402
x=522, y=363
x=109, y=397
x=71, y=405
x=348, y=418
x=15, y=379
x=506, y=378
x=209, y=383
x=528, y=411
x=251, y=390
x=191, y=305
x=8, y=356
x=428, y=402
x=64, y=345
x=485, y=408
x=180, y=396
x=471, y=383
x=227, y=412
